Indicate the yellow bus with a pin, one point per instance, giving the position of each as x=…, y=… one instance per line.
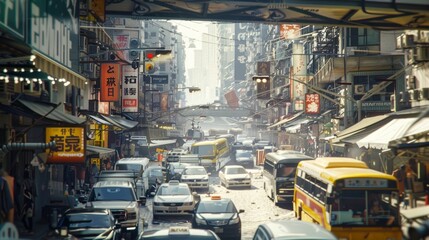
x=347, y=198
x=213, y=154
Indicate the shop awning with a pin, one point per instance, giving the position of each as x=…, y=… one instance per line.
x=286, y=120
x=100, y=151
x=295, y=126
x=381, y=137
x=358, y=127
x=160, y=143
x=414, y=137
x=57, y=70
x=120, y=122
x=100, y=120
x=49, y=111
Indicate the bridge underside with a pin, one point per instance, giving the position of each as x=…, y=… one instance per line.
x=225, y=112
x=377, y=14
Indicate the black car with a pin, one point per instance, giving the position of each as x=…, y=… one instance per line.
x=244, y=158
x=219, y=215
x=89, y=223
x=178, y=233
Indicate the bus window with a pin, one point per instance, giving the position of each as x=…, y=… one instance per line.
x=203, y=150
x=286, y=170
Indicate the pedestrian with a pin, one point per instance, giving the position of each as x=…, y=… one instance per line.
x=28, y=210
x=6, y=203
x=401, y=175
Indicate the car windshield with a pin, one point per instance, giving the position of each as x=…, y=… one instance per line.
x=84, y=220
x=286, y=170
x=134, y=167
x=235, y=171
x=165, y=190
x=112, y=194
x=216, y=207
x=156, y=172
x=194, y=171
x=243, y=154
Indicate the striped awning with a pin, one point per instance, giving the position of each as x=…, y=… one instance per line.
x=57, y=70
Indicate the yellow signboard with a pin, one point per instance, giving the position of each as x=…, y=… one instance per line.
x=159, y=150
x=70, y=144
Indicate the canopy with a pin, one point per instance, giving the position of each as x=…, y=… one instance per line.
x=359, y=127
x=50, y=111
x=100, y=151
x=286, y=120
x=381, y=137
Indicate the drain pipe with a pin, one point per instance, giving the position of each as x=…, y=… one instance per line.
x=26, y=146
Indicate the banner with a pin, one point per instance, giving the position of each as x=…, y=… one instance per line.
x=109, y=82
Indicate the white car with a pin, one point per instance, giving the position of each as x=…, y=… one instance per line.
x=173, y=198
x=235, y=176
x=196, y=177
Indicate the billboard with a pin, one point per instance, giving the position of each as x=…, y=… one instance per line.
x=231, y=99
x=130, y=93
x=69, y=144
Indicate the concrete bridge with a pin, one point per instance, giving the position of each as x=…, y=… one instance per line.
x=221, y=111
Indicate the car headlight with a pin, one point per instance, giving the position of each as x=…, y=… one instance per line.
x=234, y=220
x=199, y=220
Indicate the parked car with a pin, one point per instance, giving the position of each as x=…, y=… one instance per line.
x=196, y=177
x=219, y=215
x=89, y=223
x=235, y=176
x=244, y=158
x=179, y=233
x=292, y=229
x=120, y=198
x=173, y=198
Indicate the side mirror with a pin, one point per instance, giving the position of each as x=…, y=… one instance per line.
x=209, y=174
x=83, y=199
x=152, y=194
x=241, y=211
x=330, y=200
x=118, y=226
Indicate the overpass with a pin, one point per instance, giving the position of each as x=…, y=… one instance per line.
x=222, y=111
x=377, y=14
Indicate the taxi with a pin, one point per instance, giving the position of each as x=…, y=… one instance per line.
x=179, y=232
x=219, y=215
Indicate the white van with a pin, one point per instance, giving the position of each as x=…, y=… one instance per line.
x=136, y=164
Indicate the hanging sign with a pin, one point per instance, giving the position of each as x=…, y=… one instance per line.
x=312, y=103
x=109, y=82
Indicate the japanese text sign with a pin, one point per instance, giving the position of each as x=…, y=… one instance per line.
x=109, y=82
x=130, y=93
x=312, y=103
x=69, y=144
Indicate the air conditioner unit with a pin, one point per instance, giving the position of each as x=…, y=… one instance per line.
x=414, y=95
x=360, y=89
x=407, y=41
x=93, y=50
x=425, y=93
x=422, y=54
x=88, y=67
x=83, y=44
x=392, y=103
x=423, y=37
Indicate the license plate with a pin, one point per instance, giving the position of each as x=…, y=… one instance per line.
x=172, y=209
x=218, y=230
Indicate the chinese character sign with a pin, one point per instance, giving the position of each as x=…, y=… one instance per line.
x=109, y=82
x=69, y=144
x=312, y=103
x=130, y=88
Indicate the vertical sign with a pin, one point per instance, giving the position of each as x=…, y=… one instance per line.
x=312, y=103
x=298, y=72
x=240, y=52
x=69, y=144
x=109, y=82
x=130, y=93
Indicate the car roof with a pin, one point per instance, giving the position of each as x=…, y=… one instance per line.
x=234, y=166
x=193, y=166
x=293, y=229
x=164, y=234
x=133, y=160
x=113, y=183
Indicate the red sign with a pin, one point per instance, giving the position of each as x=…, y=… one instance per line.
x=109, y=82
x=231, y=99
x=312, y=103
